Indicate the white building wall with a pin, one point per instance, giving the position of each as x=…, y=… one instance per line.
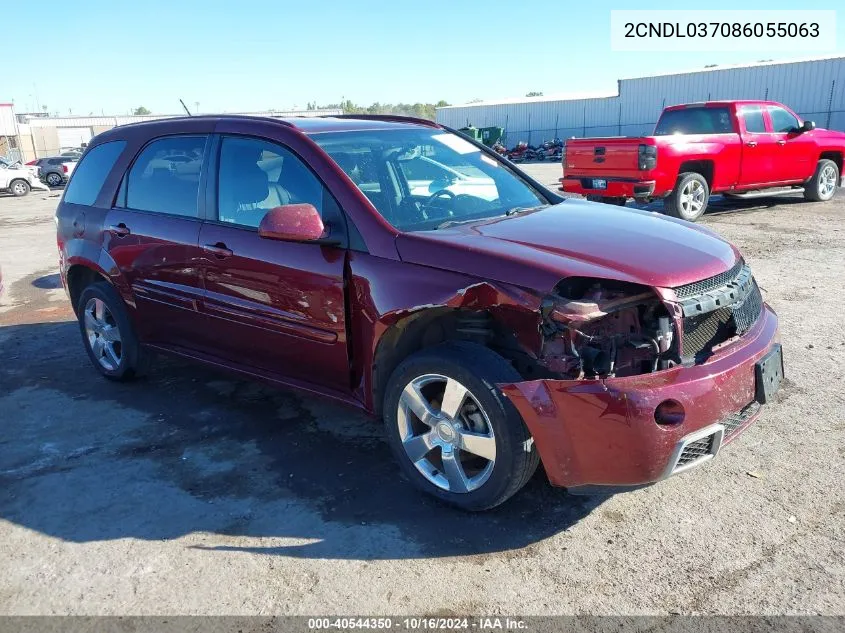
x=814, y=88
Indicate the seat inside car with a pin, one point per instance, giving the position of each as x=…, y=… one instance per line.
x=243, y=187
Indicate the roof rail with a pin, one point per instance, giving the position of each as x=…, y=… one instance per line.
x=384, y=117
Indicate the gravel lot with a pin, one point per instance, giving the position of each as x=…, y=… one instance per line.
x=193, y=492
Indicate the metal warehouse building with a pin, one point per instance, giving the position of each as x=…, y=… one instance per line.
x=25, y=137
x=814, y=88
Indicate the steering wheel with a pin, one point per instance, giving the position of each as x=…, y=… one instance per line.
x=437, y=194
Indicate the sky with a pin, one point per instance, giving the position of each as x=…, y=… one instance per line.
x=106, y=56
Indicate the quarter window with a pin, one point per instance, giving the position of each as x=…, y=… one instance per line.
x=89, y=175
x=754, y=122
x=256, y=176
x=782, y=121
x=165, y=177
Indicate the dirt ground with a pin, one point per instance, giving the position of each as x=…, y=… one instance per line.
x=193, y=492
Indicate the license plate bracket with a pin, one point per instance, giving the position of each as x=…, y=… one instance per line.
x=768, y=372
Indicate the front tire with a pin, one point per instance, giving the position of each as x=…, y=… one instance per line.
x=454, y=434
x=108, y=335
x=689, y=198
x=19, y=188
x=822, y=186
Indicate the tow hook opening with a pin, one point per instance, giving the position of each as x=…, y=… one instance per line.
x=603, y=329
x=669, y=413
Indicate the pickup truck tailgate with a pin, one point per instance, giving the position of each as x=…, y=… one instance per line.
x=607, y=157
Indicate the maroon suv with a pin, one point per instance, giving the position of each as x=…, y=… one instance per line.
x=396, y=266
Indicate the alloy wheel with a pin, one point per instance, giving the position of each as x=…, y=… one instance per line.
x=19, y=189
x=692, y=197
x=446, y=433
x=827, y=181
x=103, y=334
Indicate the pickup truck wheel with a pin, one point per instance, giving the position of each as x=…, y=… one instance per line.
x=454, y=434
x=108, y=335
x=688, y=199
x=824, y=182
x=19, y=188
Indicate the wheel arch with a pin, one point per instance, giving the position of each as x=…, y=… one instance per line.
x=705, y=167
x=835, y=156
x=509, y=326
x=84, y=264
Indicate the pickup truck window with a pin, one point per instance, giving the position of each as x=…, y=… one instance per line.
x=695, y=121
x=753, y=117
x=782, y=121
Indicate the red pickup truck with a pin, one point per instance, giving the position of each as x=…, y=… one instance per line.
x=737, y=148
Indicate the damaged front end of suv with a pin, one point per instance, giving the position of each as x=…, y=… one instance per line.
x=646, y=381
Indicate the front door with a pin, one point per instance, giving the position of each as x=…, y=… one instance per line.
x=797, y=151
x=274, y=306
x=152, y=233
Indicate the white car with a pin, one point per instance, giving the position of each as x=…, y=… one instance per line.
x=18, y=180
x=427, y=177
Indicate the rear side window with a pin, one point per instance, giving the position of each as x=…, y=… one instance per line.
x=753, y=117
x=166, y=175
x=695, y=121
x=91, y=172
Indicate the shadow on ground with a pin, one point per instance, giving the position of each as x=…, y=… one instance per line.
x=240, y=466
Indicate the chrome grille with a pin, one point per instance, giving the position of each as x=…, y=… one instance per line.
x=736, y=420
x=695, y=451
x=711, y=283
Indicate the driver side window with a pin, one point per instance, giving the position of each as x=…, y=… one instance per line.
x=256, y=176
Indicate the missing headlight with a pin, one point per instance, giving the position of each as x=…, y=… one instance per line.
x=600, y=328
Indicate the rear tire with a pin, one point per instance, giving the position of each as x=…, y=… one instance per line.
x=689, y=198
x=19, y=188
x=53, y=179
x=822, y=186
x=108, y=335
x=428, y=450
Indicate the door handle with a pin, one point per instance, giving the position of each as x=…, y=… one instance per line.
x=218, y=250
x=121, y=230
x=781, y=142
x=752, y=143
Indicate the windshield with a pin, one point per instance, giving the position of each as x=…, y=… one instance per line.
x=424, y=178
x=695, y=121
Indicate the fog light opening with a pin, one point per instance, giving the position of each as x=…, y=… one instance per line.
x=669, y=412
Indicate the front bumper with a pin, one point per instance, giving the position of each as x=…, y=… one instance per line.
x=616, y=188
x=603, y=432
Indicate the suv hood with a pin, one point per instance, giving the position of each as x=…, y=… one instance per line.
x=574, y=238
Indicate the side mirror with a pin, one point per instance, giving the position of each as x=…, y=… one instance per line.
x=292, y=223
x=808, y=125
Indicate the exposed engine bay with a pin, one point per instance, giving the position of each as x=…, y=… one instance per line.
x=602, y=328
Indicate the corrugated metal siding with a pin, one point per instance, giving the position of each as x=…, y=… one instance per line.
x=814, y=89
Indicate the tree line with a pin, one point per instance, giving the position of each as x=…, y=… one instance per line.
x=419, y=110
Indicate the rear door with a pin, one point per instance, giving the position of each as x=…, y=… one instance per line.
x=152, y=234
x=278, y=307
x=796, y=156
x=759, y=148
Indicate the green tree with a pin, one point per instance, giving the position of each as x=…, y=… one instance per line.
x=141, y=110
x=534, y=93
